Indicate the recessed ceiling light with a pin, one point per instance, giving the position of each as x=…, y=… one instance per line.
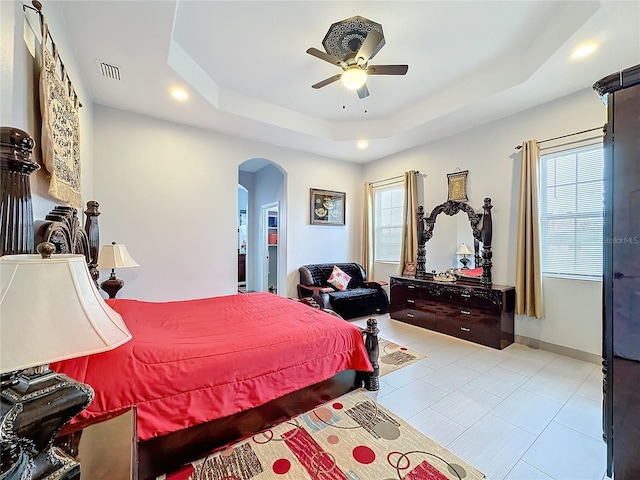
x=362, y=144
x=179, y=94
x=584, y=50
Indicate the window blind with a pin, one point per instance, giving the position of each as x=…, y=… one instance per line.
x=388, y=223
x=571, y=212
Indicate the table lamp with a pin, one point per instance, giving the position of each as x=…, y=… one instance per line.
x=464, y=251
x=50, y=310
x=114, y=256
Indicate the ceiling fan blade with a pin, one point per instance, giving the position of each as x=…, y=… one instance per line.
x=387, y=69
x=327, y=81
x=368, y=46
x=324, y=56
x=363, y=91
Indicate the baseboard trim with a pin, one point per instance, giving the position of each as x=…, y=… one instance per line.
x=552, y=347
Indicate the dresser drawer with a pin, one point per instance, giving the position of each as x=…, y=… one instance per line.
x=482, y=298
x=415, y=317
x=470, y=328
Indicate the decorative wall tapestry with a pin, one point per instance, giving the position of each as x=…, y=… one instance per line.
x=60, y=125
x=458, y=186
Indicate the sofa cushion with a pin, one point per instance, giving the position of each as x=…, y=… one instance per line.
x=357, y=302
x=338, y=278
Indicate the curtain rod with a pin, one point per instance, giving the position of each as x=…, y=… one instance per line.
x=397, y=177
x=518, y=147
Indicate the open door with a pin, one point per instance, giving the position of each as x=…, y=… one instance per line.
x=270, y=240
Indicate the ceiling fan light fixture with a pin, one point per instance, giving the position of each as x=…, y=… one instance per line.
x=353, y=78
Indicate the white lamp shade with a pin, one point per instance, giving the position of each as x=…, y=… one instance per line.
x=463, y=249
x=50, y=310
x=115, y=256
x=354, y=78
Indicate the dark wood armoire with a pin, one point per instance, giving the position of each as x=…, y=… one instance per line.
x=621, y=282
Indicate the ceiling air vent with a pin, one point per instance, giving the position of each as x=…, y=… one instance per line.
x=108, y=70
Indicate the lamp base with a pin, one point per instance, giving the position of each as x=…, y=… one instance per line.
x=34, y=406
x=464, y=261
x=112, y=286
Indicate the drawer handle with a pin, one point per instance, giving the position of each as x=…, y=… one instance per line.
x=465, y=329
x=411, y=301
x=465, y=312
x=410, y=315
x=411, y=286
x=465, y=295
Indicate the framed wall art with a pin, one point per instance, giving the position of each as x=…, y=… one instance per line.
x=327, y=208
x=458, y=186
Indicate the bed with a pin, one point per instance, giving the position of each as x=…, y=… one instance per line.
x=200, y=373
x=193, y=361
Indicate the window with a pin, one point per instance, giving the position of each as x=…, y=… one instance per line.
x=571, y=212
x=388, y=223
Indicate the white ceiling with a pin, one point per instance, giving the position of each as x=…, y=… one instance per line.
x=247, y=73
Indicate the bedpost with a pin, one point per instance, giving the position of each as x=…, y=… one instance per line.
x=16, y=210
x=92, y=230
x=372, y=381
x=487, y=233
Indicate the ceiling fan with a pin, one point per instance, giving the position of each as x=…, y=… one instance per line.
x=350, y=44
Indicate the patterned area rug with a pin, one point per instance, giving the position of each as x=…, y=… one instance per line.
x=394, y=356
x=350, y=438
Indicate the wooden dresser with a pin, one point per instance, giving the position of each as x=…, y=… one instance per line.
x=472, y=312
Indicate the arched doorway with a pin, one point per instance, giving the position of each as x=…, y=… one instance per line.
x=265, y=260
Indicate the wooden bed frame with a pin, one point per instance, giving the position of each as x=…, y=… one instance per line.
x=61, y=227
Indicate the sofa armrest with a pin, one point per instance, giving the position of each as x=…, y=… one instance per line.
x=311, y=290
x=376, y=284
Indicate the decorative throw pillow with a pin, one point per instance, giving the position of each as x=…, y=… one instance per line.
x=339, y=279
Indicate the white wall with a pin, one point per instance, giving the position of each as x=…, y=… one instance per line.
x=169, y=192
x=573, y=307
x=19, y=104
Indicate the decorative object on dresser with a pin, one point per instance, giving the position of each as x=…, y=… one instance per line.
x=481, y=228
x=50, y=310
x=476, y=313
x=621, y=281
x=464, y=251
x=114, y=256
x=409, y=269
x=327, y=208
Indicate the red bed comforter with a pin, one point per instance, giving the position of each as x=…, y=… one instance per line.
x=198, y=360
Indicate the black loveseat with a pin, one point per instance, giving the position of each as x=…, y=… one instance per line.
x=359, y=299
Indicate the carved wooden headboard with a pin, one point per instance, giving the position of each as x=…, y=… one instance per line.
x=18, y=232
x=62, y=228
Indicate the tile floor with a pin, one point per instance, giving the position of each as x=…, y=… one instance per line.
x=515, y=414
